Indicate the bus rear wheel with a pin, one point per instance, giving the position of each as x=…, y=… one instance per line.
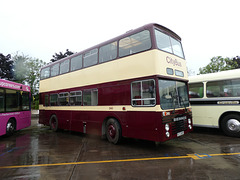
x=230, y=125
x=113, y=131
x=11, y=127
x=53, y=123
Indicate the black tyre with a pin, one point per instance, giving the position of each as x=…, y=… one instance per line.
x=230, y=125
x=113, y=131
x=10, y=127
x=54, y=123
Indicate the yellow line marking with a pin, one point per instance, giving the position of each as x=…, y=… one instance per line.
x=193, y=156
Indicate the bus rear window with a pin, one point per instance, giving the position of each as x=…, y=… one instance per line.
x=25, y=101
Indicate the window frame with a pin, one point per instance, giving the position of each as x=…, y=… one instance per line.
x=199, y=89
x=75, y=96
x=88, y=54
x=92, y=101
x=227, y=88
x=123, y=54
x=63, y=95
x=76, y=58
x=142, y=99
x=106, y=45
x=61, y=66
x=55, y=102
x=3, y=109
x=171, y=50
x=45, y=76
x=53, y=68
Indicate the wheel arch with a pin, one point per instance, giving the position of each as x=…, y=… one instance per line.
x=105, y=122
x=11, y=119
x=56, y=126
x=15, y=121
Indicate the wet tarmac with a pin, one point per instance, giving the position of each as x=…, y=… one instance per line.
x=38, y=153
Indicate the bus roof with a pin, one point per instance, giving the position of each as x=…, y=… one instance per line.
x=12, y=85
x=128, y=33
x=223, y=75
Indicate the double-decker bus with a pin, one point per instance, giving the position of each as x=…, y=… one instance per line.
x=134, y=85
x=15, y=111
x=215, y=100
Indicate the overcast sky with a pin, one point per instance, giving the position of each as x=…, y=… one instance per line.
x=41, y=28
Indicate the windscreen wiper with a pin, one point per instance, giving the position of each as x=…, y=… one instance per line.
x=174, y=97
x=181, y=100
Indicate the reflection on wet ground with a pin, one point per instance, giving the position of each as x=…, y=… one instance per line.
x=39, y=153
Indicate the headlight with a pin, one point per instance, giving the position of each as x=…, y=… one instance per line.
x=189, y=121
x=167, y=127
x=167, y=134
x=189, y=126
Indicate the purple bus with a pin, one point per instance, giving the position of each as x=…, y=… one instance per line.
x=15, y=111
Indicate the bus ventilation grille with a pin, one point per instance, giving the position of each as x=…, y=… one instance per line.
x=179, y=126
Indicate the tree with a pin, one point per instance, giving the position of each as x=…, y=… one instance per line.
x=237, y=60
x=218, y=63
x=27, y=71
x=6, y=65
x=56, y=57
x=20, y=68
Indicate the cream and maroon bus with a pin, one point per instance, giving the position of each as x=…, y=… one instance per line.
x=134, y=85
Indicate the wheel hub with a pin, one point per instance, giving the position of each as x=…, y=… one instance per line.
x=10, y=127
x=111, y=131
x=233, y=125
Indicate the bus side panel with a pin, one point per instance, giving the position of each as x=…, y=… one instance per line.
x=86, y=122
x=91, y=122
x=4, y=120
x=205, y=115
x=202, y=116
x=64, y=118
x=43, y=118
x=143, y=125
x=83, y=121
x=23, y=120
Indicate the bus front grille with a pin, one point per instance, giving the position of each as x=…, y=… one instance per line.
x=179, y=126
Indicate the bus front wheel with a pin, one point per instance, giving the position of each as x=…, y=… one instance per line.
x=113, y=131
x=53, y=123
x=231, y=125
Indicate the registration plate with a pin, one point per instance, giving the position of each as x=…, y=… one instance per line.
x=180, y=133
